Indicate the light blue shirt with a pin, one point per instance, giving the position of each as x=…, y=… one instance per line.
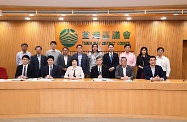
x=79, y=59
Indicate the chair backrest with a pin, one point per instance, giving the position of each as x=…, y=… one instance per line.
x=3, y=73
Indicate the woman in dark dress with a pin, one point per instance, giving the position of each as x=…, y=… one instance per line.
x=142, y=60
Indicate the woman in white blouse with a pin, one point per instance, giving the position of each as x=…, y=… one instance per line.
x=74, y=71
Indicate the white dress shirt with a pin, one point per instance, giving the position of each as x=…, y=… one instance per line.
x=25, y=70
x=39, y=60
x=66, y=59
x=124, y=71
x=19, y=56
x=78, y=72
x=164, y=63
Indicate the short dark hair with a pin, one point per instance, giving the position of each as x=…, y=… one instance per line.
x=65, y=48
x=127, y=44
x=26, y=56
x=53, y=42
x=50, y=56
x=98, y=57
x=38, y=47
x=160, y=48
x=152, y=57
x=111, y=45
x=123, y=58
x=74, y=59
x=24, y=44
x=78, y=45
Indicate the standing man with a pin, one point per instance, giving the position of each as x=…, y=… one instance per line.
x=153, y=72
x=53, y=51
x=111, y=60
x=131, y=58
x=64, y=61
x=38, y=61
x=23, y=52
x=51, y=70
x=25, y=70
x=83, y=60
x=163, y=61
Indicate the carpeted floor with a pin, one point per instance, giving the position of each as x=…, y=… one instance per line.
x=90, y=119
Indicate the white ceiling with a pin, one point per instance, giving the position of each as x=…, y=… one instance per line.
x=92, y=3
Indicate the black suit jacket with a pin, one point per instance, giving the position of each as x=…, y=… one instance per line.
x=34, y=62
x=30, y=71
x=94, y=72
x=55, y=72
x=61, y=63
x=84, y=62
x=147, y=73
x=109, y=64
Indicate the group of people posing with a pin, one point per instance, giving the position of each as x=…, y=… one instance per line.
x=57, y=64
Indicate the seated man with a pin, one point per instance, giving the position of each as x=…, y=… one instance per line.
x=51, y=70
x=153, y=72
x=124, y=71
x=100, y=70
x=25, y=70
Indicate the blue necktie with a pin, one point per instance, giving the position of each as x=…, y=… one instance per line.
x=51, y=71
x=111, y=56
x=24, y=71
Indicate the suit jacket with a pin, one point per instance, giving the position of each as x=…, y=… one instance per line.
x=158, y=71
x=30, y=71
x=84, y=62
x=55, y=72
x=34, y=62
x=109, y=64
x=61, y=63
x=94, y=72
x=129, y=72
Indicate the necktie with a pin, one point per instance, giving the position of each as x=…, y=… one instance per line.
x=111, y=56
x=24, y=71
x=99, y=70
x=74, y=73
x=51, y=71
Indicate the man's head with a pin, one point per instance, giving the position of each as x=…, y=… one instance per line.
x=99, y=60
x=24, y=47
x=124, y=61
x=65, y=50
x=79, y=48
x=127, y=48
x=38, y=49
x=25, y=59
x=152, y=60
x=111, y=47
x=50, y=60
x=160, y=51
x=53, y=45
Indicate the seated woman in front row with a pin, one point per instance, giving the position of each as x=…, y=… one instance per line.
x=74, y=72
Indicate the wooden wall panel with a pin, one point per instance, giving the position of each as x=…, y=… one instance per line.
x=152, y=34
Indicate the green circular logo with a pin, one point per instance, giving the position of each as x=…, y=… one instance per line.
x=68, y=37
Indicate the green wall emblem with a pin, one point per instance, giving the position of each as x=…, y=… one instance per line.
x=68, y=37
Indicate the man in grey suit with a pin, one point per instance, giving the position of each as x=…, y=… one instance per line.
x=63, y=61
x=124, y=71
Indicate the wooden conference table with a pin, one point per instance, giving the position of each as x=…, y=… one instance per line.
x=85, y=96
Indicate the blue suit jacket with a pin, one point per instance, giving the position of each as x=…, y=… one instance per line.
x=55, y=72
x=84, y=62
x=147, y=73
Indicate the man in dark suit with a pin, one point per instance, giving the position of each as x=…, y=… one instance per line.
x=51, y=70
x=124, y=71
x=25, y=70
x=38, y=61
x=64, y=61
x=153, y=72
x=83, y=60
x=111, y=60
x=100, y=70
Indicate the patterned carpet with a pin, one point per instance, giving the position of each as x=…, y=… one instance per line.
x=84, y=119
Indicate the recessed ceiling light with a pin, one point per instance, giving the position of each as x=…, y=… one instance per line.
x=94, y=15
x=175, y=14
x=126, y=14
x=61, y=18
x=94, y=18
x=63, y=15
x=27, y=18
x=128, y=18
x=163, y=18
x=31, y=14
